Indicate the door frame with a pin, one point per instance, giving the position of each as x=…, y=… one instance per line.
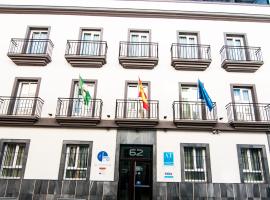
x=15, y=88
x=130, y=30
x=71, y=94
x=191, y=84
x=82, y=29
x=132, y=169
x=253, y=95
x=127, y=82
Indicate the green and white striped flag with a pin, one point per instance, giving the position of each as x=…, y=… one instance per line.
x=84, y=92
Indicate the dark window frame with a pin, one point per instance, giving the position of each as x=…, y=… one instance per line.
x=14, y=92
x=148, y=83
x=63, y=157
x=26, y=142
x=254, y=96
x=75, y=81
x=263, y=156
x=207, y=161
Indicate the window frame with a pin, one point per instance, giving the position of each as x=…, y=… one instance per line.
x=26, y=142
x=14, y=92
x=252, y=87
x=264, y=161
x=207, y=161
x=62, y=167
x=148, y=83
x=130, y=30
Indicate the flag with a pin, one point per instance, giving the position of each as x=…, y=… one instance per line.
x=83, y=91
x=204, y=96
x=143, y=95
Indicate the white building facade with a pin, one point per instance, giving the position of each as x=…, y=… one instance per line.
x=56, y=145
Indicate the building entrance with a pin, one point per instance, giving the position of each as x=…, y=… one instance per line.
x=135, y=172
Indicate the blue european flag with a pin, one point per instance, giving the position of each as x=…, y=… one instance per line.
x=204, y=96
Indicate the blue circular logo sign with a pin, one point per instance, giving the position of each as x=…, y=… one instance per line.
x=103, y=155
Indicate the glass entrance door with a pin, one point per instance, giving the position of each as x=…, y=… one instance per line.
x=37, y=43
x=188, y=48
x=191, y=105
x=244, y=104
x=139, y=44
x=135, y=172
x=90, y=44
x=236, y=50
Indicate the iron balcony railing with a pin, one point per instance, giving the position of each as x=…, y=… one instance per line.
x=86, y=48
x=30, y=46
x=76, y=107
x=249, y=112
x=190, y=51
x=193, y=110
x=21, y=106
x=133, y=109
x=241, y=53
x=138, y=49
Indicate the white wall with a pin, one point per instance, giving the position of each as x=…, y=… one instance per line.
x=46, y=145
x=56, y=76
x=222, y=147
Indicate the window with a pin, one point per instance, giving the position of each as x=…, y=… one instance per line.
x=37, y=40
x=252, y=163
x=134, y=106
x=139, y=43
x=76, y=160
x=188, y=47
x=191, y=105
x=25, y=92
x=236, y=47
x=195, y=163
x=244, y=99
x=90, y=42
x=79, y=108
x=13, y=159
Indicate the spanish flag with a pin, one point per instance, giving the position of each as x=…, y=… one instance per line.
x=143, y=95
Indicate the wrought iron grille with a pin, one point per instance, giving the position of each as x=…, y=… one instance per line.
x=75, y=107
x=193, y=110
x=138, y=49
x=241, y=53
x=76, y=162
x=11, y=166
x=30, y=46
x=133, y=109
x=248, y=112
x=195, y=164
x=252, y=165
x=21, y=106
x=190, y=51
x=86, y=48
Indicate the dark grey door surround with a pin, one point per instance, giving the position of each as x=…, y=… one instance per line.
x=137, y=137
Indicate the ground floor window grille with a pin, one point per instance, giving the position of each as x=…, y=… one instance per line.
x=12, y=161
x=252, y=165
x=195, y=164
x=76, y=162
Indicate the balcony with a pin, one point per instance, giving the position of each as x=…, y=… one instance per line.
x=73, y=111
x=138, y=55
x=131, y=113
x=31, y=52
x=241, y=58
x=193, y=113
x=85, y=53
x=192, y=57
x=249, y=115
x=24, y=110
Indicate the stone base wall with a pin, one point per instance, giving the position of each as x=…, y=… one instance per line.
x=82, y=190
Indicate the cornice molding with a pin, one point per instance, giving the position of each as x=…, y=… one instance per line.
x=128, y=12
